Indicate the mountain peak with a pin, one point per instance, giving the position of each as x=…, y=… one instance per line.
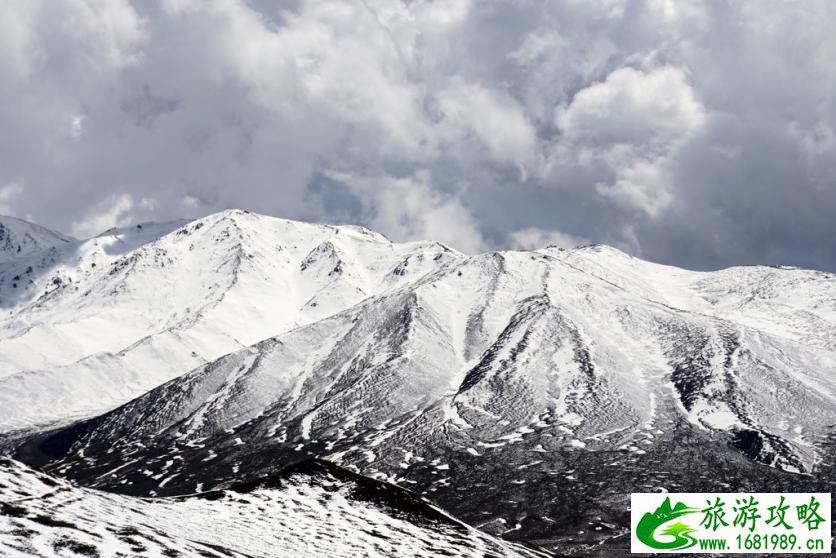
x=20, y=238
x=599, y=248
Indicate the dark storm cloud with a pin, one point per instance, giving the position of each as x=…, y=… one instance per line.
x=693, y=133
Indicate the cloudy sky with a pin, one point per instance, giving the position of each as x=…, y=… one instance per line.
x=694, y=133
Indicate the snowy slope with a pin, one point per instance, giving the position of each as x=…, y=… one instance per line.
x=20, y=238
x=314, y=510
x=103, y=320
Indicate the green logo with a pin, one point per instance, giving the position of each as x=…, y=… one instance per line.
x=681, y=533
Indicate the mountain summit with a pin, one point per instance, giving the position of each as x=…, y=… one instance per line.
x=91, y=324
x=19, y=238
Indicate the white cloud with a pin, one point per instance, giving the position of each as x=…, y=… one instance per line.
x=108, y=31
x=680, y=15
x=443, y=13
x=643, y=184
x=19, y=47
x=334, y=63
x=632, y=123
x=495, y=119
x=8, y=192
x=411, y=209
x=651, y=109
x=605, y=9
x=113, y=212
x=76, y=128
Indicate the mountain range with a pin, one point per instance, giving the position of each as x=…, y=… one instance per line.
x=526, y=392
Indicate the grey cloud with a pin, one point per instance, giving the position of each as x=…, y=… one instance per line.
x=146, y=108
x=693, y=133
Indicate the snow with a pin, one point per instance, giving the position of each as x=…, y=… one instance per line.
x=307, y=517
x=19, y=238
x=138, y=306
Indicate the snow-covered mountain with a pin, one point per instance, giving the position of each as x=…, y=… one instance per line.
x=527, y=392
x=311, y=510
x=97, y=322
x=19, y=238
